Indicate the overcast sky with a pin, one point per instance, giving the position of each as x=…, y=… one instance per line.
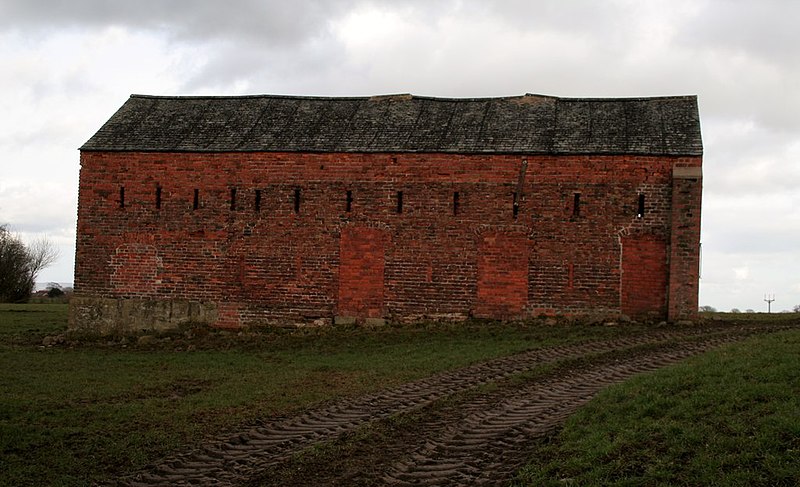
x=66, y=66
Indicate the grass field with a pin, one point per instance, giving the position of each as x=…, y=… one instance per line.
x=728, y=417
x=81, y=413
x=73, y=415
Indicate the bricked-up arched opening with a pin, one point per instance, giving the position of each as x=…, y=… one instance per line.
x=645, y=274
x=134, y=269
x=362, y=260
x=502, y=289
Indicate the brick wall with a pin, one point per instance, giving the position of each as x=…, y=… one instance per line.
x=362, y=257
x=502, y=280
x=286, y=237
x=687, y=187
x=645, y=275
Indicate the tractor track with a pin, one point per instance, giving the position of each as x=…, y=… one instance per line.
x=483, y=447
x=489, y=445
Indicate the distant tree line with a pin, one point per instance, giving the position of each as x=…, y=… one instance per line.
x=20, y=264
x=711, y=309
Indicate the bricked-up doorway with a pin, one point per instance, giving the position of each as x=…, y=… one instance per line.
x=361, y=271
x=644, y=276
x=502, y=289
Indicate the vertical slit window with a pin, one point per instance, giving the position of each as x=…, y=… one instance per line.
x=399, y=202
x=576, y=205
x=570, y=276
x=456, y=203
x=297, y=200
x=640, y=210
x=158, y=197
x=258, y=200
x=196, y=199
x=233, y=199
x=122, y=196
x=348, y=201
x=515, y=206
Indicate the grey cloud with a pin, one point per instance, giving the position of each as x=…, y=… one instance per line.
x=734, y=237
x=250, y=41
x=748, y=52
x=584, y=17
x=275, y=21
x=265, y=69
x=738, y=56
x=765, y=29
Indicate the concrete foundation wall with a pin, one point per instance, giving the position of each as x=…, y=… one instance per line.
x=109, y=316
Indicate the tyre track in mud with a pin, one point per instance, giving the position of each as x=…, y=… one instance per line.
x=489, y=445
x=483, y=448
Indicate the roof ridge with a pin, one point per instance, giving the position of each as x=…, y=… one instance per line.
x=411, y=96
x=628, y=98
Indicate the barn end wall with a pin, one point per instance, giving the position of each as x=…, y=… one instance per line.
x=237, y=239
x=687, y=189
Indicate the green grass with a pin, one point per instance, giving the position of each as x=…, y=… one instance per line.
x=85, y=413
x=73, y=415
x=729, y=417
x=773, y=318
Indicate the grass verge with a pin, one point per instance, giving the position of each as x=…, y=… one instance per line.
x=74, y=415
x=729, y=417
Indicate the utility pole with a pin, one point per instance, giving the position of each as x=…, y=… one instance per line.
x=769, y=299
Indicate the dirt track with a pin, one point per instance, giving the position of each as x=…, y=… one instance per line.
x=481, y=442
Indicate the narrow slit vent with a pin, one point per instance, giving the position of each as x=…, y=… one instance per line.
x=515, y=207
x=640, y=210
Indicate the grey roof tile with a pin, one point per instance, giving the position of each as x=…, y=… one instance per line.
x=531, y=124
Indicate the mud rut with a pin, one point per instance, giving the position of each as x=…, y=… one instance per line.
x=483, y=445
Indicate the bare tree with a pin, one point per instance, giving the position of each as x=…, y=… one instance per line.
x=796, y=308
x=41, y=254
x=20, y=265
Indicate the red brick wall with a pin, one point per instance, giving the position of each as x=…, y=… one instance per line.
x=361, y=272
x=283, y=262
x=645, y=275
x=502, y=275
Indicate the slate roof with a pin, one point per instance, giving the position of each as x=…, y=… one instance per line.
x=528, y=124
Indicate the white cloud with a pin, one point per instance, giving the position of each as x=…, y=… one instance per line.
x=769, y=273
x=67, y=66
x=741, y=273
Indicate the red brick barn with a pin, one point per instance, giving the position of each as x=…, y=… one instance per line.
x=252, y=210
